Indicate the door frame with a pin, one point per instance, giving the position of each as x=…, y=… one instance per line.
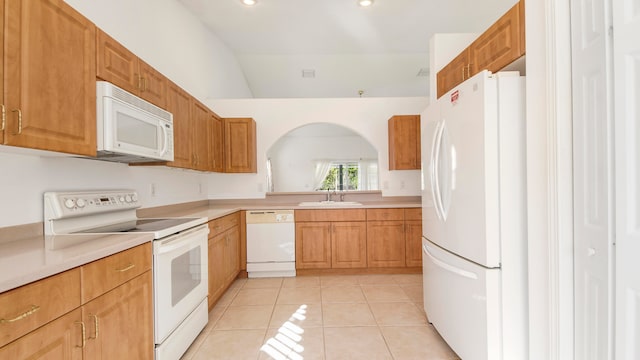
x=549, y=179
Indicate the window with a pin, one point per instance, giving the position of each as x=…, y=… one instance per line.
x=351, y=175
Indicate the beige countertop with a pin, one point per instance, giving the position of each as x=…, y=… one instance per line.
x=31, y=258
x=26, y=260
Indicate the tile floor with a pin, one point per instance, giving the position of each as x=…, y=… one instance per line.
x=321, y=317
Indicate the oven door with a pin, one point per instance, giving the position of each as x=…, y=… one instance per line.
x=179, y=278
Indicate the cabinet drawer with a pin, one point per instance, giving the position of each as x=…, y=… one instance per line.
x=331, y=215
x=33, y=305
x=413, y=214
x=385, y=214
x=105, y=274
x=224, y=223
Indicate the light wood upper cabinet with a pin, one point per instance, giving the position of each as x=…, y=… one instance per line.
x=239, y=145
x=50, y=107
x=500, y=45
x=117, y=65
x=179, y=104
x=404, y=142
x=201, y=117
x=454, y=73
x=216, y=144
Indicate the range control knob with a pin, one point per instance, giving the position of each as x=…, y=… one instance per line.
x=69, y=203
x=81, y=203
x=127, y=198
x=121, y=198
x=134, y=197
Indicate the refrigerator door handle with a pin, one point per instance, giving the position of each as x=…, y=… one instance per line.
x=435, y=172
x=449, y=267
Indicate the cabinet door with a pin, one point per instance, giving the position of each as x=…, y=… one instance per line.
x=385, y=244
x=453, y=73
x=200, y=117
x=119, y=324
x=216, y=144
x=217, y=248
x=240, y=145
x=499, y=45
x=179, y=104
x=233, y=254
x=116, y=64
x=50, y=107
x=60, y=339
x=413, y=242
x=153, y=85
x=313, y=245
x=404, y=142
x=349, y=245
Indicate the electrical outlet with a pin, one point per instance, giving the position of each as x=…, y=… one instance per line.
x=385, y=185
x=152, y=189
x=402, y=184
x=199, y=188
x=260, y=187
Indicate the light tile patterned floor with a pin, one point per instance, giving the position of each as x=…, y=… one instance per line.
x=321, y=317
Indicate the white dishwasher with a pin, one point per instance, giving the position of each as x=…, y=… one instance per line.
x=271, y=243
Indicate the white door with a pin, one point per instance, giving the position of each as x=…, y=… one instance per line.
x=593, y=178
x=626, y=20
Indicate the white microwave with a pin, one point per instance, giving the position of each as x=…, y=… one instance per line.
x=130, y=129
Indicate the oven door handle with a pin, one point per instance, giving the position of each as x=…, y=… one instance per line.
x=180, y=240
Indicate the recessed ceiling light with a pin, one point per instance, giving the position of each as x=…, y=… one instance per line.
x=365, y=2
x=249, y=2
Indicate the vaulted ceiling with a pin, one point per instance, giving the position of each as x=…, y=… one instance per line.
x=335, y=48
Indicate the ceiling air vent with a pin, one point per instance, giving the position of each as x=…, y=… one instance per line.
x=308, y=73
x=423, y=72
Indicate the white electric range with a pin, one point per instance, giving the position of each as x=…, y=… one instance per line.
x=180, y=266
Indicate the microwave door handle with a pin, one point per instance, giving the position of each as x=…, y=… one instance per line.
x=165, y=141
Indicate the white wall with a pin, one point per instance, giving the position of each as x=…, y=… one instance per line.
x=25, y=178
x=171, y=39
x=275, y=117
x=293, y=158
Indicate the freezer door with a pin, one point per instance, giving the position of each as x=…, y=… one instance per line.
x=462, y=301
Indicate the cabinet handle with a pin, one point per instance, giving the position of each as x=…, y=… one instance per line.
x=469, y=71
x=96, y=326
x=25, y=314
x=127, y=268
x=144, y=84
x=463, y=73
x=19, y=120
x=4, y=117
x=139, y=81
x=84, y=334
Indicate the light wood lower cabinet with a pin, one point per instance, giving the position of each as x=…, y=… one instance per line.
x=114, y=322
x=119, y=324
x=413, y=236
x=358, y=239
x=224, y=255
x=60, y=339
x=331, y=239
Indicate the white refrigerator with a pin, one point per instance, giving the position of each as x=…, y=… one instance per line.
x=474, y=217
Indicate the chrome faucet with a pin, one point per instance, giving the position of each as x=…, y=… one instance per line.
x=328, y=195
x=342, y=196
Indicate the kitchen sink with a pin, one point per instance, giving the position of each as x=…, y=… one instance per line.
x=329, y=203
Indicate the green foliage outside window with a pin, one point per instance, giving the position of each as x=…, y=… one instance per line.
x=349, y=177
